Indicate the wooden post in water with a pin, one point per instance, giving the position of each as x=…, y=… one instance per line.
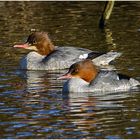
x=106, y=13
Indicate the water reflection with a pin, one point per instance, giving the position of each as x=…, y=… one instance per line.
x=86, y=110
x=40, y=81
x=44, y=110
x=32, y=105
x=109, y=39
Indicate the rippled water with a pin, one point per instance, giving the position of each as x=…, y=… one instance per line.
x=31, y=102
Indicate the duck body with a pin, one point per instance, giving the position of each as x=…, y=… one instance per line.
x=99, y=81
x=60, y=58
x=45, y=56
x=104, y=82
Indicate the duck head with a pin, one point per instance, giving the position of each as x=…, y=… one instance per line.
x=39, y=42
x=85, y=70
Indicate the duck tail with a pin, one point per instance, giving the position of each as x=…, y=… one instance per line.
x=105, y=59
x=134, y=82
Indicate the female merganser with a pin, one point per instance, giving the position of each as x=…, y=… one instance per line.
x=46, y=56
x=84, y=76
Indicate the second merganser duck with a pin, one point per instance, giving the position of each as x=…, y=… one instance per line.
x=46, y=56
x=84, y=76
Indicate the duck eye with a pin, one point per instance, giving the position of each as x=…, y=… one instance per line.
x=34, y=42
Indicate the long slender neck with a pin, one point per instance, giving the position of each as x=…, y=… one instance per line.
x=45, y=48
x=90, y=76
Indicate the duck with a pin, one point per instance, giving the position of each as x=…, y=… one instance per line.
x=44, y=55
x=85, y=76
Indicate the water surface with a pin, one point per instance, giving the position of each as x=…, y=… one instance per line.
x=31, y=102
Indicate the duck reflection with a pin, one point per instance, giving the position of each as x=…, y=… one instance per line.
x=85, y=109
x=34, y=81
x=40, y=81
x=38, y=92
